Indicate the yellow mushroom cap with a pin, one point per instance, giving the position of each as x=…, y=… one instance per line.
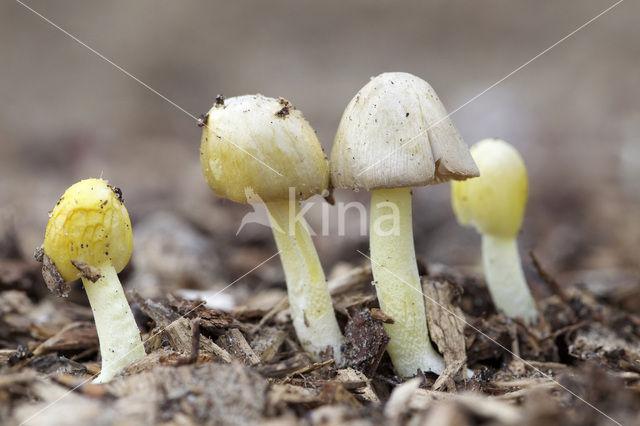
x=396, y=133
x=494, y=202
x=240, y=131
x=89, y=224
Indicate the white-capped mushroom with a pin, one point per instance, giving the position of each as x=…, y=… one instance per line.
x=395, y=134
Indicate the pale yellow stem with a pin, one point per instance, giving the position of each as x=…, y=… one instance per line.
x=505, y=279
x=395, y=272
x=311, y=309
x=120, y=342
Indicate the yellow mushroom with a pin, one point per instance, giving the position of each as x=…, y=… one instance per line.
x=395, y=134
x=89, y=237
x=494, y=204
x=257, y=149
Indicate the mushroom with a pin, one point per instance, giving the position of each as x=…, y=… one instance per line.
x=494, y=204
x=89, y=236
x=257, y=149
x=396, y=134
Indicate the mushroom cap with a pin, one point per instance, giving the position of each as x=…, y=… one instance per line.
x=242, y=130
x=395, y=133
x=89, y=224
x=493, y=203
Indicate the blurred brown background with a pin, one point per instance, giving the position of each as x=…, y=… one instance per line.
x=574, y=113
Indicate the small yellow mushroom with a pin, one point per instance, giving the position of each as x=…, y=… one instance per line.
x=89, y=237
x=494, y=204
x=259, y=149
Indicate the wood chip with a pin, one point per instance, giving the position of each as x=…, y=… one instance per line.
x=446, y=328
x=280, y=394
x=233, y=341
x=284, y=367
x=335, y=393
x=358, y=383
x=212, y=321
x=178, y=330
x=398, y=402
x=74, y=337
x=267, y=341
x=309, y=368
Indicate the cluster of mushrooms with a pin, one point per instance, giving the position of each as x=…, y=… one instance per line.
x=394, y=135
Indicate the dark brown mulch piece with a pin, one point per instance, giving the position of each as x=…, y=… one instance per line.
x=365, y=342
x=482, y=347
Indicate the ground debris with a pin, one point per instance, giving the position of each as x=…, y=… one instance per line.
x=74, y=337
x=194, y=394
x=203, y=393
x=600, y=343
x=358, y=383
x=178, y=329
x=366, y=342
x=446, y=328
x=54, y=364
x=235, y=343
x=284, y=367
x=213, y=322
x=266, y=342
x=205, y=365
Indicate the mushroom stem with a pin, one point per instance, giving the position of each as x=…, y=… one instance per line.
x=505, y=279
x=311, y=308
x=395, y=272
x=120, y=342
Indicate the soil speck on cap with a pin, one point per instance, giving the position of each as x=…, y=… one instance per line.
x=118, y=193
x=286, y=106
x=203, y=119
x=87, y=271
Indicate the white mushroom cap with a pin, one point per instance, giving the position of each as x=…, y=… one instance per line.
x=253, y=145
x=396, y=133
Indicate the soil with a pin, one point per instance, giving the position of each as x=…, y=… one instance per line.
x=580, y=364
